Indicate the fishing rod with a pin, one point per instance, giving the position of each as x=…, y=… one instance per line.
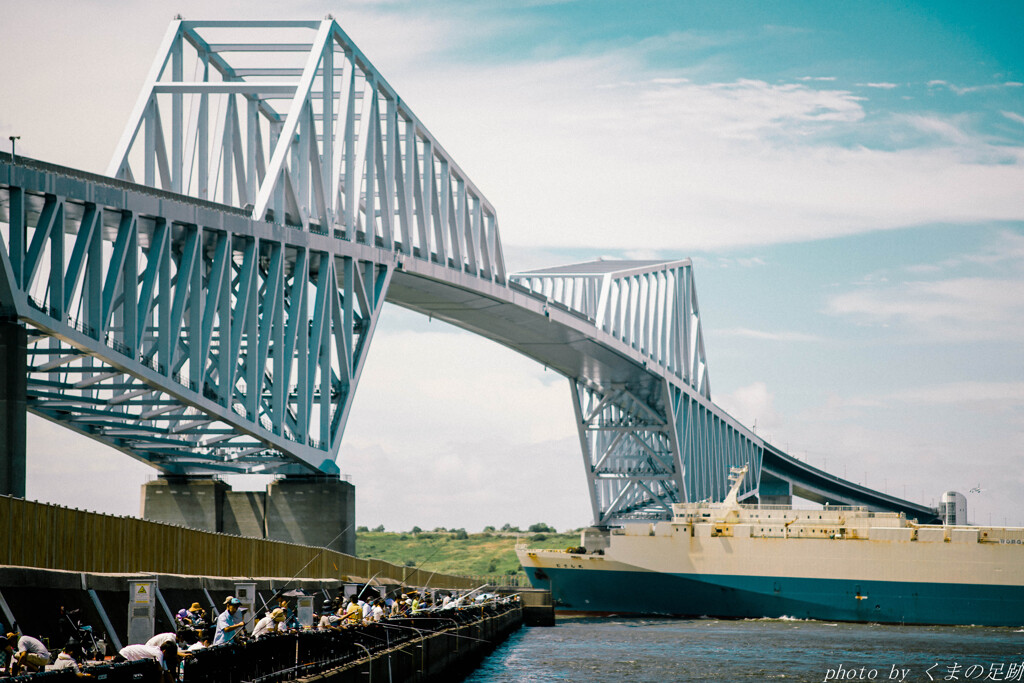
x=367, y=584
x=313, y=559
x=438, y=548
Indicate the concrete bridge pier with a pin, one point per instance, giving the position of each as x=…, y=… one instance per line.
x=13, y=360
x=316, y=510
x=774, y=491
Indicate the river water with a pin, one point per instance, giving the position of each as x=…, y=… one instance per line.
x=675, y=650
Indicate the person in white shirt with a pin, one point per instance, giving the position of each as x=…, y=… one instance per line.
x=66, y=660
x=328, y=619
x=166, y=655
x=134, y=653
x=272, y=623
x=32, y=655
x=161, y=638
x=203, y=642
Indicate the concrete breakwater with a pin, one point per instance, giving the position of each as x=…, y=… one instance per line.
x=442, y=655
x=119, y=609
x=442, y=646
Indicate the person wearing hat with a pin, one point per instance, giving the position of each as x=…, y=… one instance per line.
x=197, y=614
x=272, y=623
x=228, y=622
x=328, y=619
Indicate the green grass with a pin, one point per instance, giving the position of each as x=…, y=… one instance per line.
x=476, y=555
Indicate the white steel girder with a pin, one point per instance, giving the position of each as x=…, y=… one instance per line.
x=639, y=459
x=197, y=341
x=633, y=470
x=651, y=306
x=293, y=123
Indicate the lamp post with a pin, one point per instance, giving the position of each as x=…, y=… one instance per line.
x=13, y=138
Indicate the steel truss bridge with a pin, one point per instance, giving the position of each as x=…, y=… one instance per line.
x=206, y=307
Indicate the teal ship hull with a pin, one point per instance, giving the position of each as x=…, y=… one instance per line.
x=598, y=592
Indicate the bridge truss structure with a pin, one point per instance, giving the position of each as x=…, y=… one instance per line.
x=207, y=306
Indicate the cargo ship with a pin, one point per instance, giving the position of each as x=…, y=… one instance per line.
x=733, y=560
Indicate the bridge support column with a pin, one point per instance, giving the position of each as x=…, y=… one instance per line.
x=318, y=510
x=195, y=502
x=13, y=431
x=774, y=491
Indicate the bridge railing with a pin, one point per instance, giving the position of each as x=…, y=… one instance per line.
x=651, y=306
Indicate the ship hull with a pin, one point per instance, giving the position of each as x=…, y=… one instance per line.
x=637, y=592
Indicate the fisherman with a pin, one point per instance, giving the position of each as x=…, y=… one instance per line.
x=161, y=638
x=198, y=615
x=66, y=660
x=328, y=620
x=272, y=623
x=31, y=655
x=166, y=655
x=353, y=613
x=367, y=608
x=202, y=640
x=229, y=622
x=290, y=620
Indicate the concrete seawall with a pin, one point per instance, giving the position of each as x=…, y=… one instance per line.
x=428, y=646
x=434, y=656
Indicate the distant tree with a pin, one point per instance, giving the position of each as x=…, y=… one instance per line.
x=410, y=563
x=362, y=529
x=440, y=529
x=460, y=534
x=379, y=529
x=493, y=566
x=416, y=530
x=538, y=537
x=489, y=529
x=542, y=528
x=510, y=529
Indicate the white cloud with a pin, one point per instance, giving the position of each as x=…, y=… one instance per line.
x=942, y=311
x=752, y=405
x=1013, y=116
x=784, y=336
x=1000, y=395
x=598, y=145
x=881, y=86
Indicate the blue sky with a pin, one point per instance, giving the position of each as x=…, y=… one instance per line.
x=846, y=176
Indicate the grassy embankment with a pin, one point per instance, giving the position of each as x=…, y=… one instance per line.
x=447, y=552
